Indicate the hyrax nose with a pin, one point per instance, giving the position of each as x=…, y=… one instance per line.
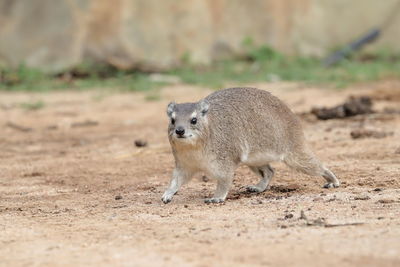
x=180, y=131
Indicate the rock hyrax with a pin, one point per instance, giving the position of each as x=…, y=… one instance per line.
x=237, y=126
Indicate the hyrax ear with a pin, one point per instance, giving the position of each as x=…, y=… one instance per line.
x=171, y=108
x=204, y=107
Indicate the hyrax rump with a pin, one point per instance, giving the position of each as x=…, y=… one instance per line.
x=237, y=126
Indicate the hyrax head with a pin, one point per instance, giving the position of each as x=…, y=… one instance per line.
x=187, y=121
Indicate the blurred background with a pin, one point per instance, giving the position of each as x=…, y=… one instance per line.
x=84, y=43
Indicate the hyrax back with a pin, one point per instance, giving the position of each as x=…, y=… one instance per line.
x=237, y=126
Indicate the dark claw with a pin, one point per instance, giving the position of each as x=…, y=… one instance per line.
x=252, y=190
x=166, y=201
x=330, y=185
x=213, y=200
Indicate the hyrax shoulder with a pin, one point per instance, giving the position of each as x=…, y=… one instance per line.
x=233, y=126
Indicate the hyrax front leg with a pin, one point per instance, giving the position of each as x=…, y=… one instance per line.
x=179, y=177
x=266, y=173
x=223, y=186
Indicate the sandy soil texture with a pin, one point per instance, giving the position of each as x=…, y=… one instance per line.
x=76, y=191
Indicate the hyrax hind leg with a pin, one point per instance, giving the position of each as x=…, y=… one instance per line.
x=307, y=163
x=265, y=172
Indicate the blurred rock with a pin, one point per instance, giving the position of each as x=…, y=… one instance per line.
x=45, y=34
x=140, y=143
x=153, y=35
x=365, y=133
x=353, y=106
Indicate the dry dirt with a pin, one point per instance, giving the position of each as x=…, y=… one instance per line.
x=76, y=191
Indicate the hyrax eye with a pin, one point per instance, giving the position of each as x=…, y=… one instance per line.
x=193, y=121
x=172, y=121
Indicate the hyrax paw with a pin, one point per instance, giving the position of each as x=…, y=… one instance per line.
x=166, y=198
x=213, y=200
x=254, y=189
x=331, y=185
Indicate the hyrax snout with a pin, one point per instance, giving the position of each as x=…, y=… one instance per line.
x=237, y=126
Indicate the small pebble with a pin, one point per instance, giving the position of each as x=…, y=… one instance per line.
x=362, y=198
x=288, y=216
x=140, y=143
x=385, y=201
x=119, y=197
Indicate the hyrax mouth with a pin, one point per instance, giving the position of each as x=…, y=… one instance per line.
x=182, y=137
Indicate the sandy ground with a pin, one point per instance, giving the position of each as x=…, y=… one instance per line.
x=76, y=191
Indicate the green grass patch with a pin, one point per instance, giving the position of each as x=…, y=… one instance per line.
x=258, y=64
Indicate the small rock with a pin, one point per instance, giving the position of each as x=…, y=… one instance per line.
x=365, y=133
x=385, y=201
x=353, y=106
x=140, y=143
x=186, y=206
x=119, y=197
x=362, y=198
x=381, y=218
x=288, y=216
x=33, y=174
x=378, y=189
